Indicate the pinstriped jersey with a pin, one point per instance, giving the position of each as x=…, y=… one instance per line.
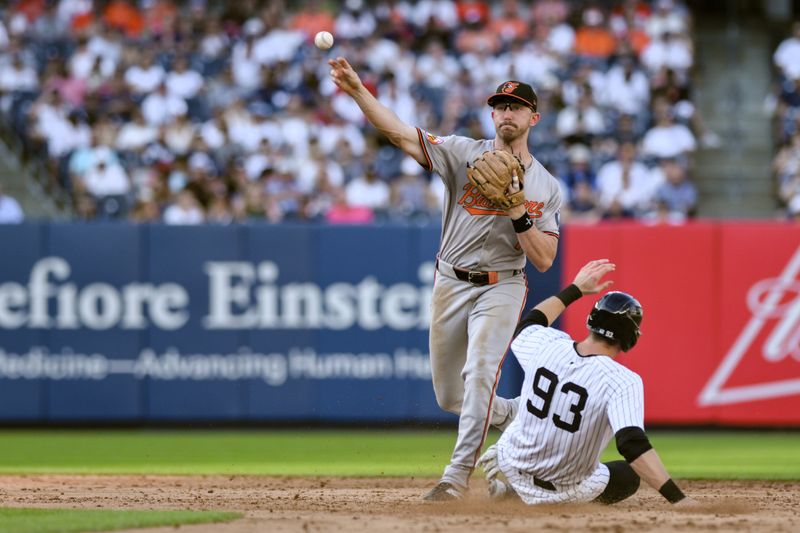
x=475, y=233
x=570, y=406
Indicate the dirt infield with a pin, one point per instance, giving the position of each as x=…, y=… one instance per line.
x=381, y=504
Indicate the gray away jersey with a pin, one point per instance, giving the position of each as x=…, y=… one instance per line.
x=475, y=234
x=570, y=407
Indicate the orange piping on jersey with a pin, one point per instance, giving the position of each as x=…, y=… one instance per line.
x=424, y=150
x=497, y=376
x=551, y=234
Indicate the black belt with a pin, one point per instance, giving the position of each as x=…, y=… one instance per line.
x=478, y=278
x=541, y=483
x=546, y=485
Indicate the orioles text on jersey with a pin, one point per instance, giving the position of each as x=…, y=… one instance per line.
x=477, y=204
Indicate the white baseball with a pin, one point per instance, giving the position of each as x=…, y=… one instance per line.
x=323, y=40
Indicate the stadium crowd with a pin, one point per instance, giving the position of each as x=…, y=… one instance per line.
x=203, y=111
x=786, y=107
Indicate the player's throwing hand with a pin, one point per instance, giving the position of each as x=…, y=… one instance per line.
x=344, y=76
x=588, y=279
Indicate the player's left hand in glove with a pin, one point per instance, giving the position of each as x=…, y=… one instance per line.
x=493, y=174
x=488, y=462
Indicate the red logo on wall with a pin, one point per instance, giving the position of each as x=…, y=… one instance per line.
x=772, y=335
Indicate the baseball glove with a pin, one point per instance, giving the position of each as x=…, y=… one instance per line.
x=492, y=173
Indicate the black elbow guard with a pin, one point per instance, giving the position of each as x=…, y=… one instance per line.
x=632, y=443
x=534, y=317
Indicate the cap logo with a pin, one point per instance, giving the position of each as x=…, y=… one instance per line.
x=509, y=87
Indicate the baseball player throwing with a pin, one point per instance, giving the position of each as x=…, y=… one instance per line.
x=501, y=206
x=574, y=397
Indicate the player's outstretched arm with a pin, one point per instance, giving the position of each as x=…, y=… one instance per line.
x=635, y=447
x=588, y=280
x=384, y=119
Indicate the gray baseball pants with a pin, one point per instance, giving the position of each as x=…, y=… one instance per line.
x=471, y=328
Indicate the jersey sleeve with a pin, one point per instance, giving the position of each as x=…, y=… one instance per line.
x=626, y=404
x=533, y=340
x=550, y=221
x=445, y=155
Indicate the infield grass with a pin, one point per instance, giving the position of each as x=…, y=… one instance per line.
x=13, y=520
x=687, y=454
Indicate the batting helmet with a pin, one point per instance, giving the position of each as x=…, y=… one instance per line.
x=617, y=317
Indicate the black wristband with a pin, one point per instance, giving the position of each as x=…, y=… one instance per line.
x=523, y=223
x=569, y=294
x=671, y=492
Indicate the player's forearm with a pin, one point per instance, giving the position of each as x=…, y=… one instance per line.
x=547, y=311
x=540, y=248
x=650, y=468
x=388, y=123
x=551, y=308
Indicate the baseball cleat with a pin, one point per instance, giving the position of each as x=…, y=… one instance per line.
x=444, y=492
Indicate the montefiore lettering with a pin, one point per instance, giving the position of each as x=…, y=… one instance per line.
x=244, y=296
x=49, y=301
x=241, y=295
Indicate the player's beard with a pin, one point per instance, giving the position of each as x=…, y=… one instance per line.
x=511, y=134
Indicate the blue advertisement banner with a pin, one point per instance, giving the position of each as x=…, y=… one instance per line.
x=262, y=323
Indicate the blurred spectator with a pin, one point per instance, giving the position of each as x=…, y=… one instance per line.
x=409, y=191
x=668, y=139
x=64, y=136
x=71, y=88
x=787, y=55
x=10, y=210
x=580, y=122
x=161, y=108
x=677, y=196
x=625, y=186
x=354, y=21
x=628, y=21
x=342, y=212
x=666, y=18
x=179, y=135
x=789, y=194
x=313, y=17
x=787, y=161
x=510, y=23
x=123, y=15
x=146, y=211
x=146, y=76
x=627, y=88
x=550, y=17
x=184, y=211
x=181, y=81
x=237, y=106
x=582, y=204
x=136, y=134
x=15, y=76
x=477, y=37
x=368, y=191
x=579, y=171
x=668, y=50
x=106, y=182
x=593, y=39
x=793, y=209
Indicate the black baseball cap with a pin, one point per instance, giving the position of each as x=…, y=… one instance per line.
x=514, y=90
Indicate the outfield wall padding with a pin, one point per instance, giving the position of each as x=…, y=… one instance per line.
x=110, y=322
x=123, y=323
